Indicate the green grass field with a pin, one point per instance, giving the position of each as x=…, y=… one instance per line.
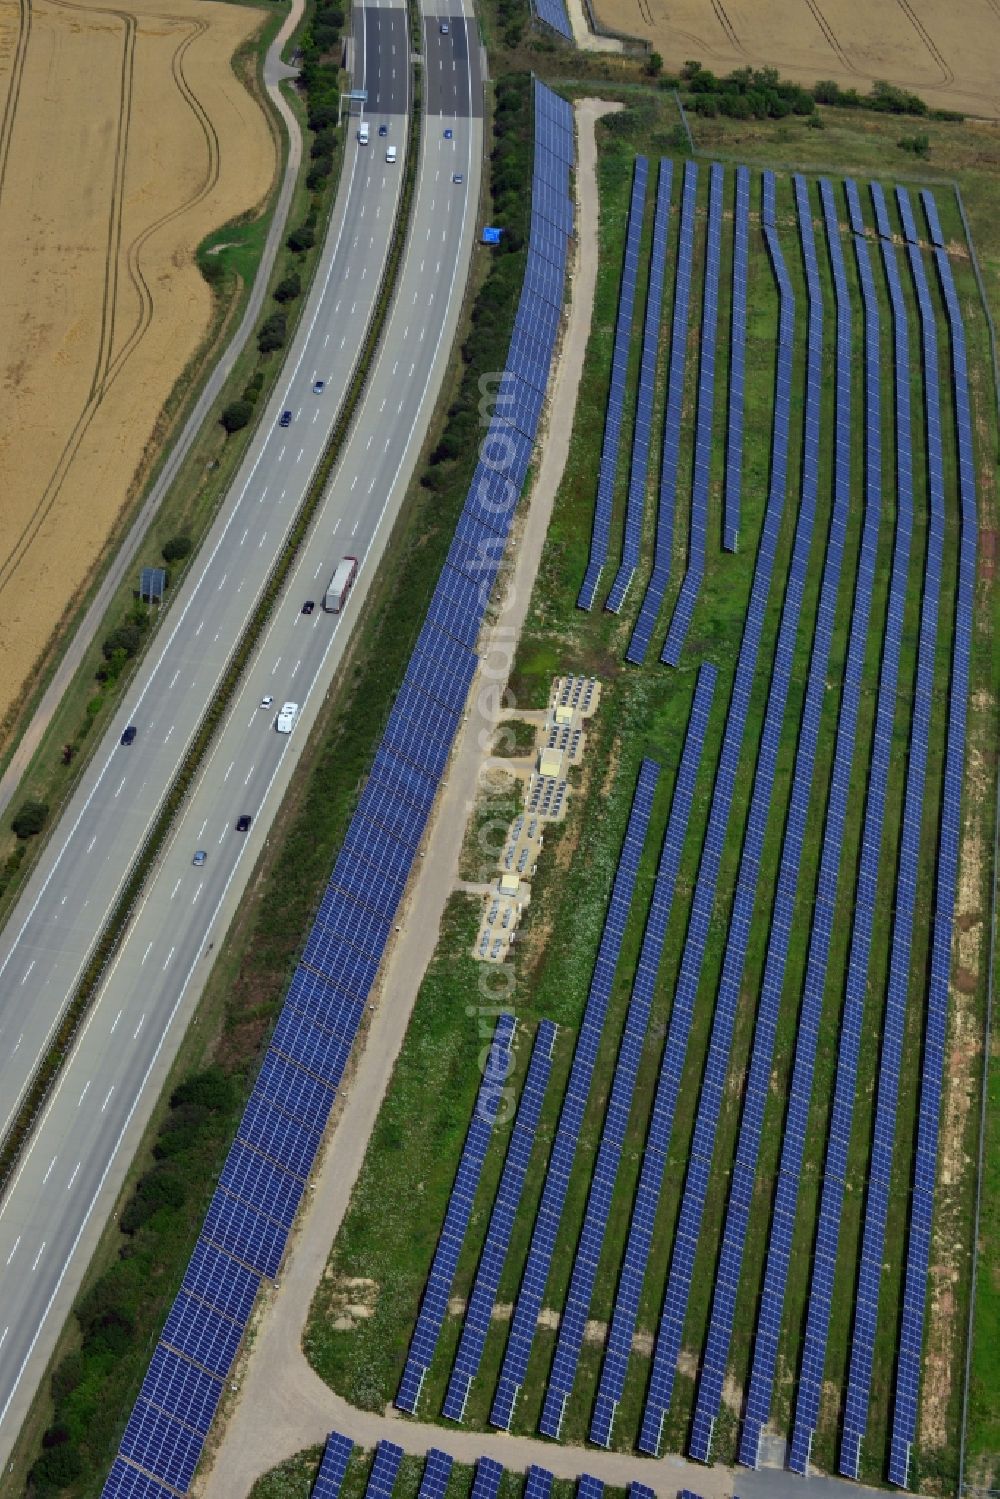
x=644, y=712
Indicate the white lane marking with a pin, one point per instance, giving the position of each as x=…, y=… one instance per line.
x=146, y=954
x=227, y=774
x=294, y=670
x=83, y=1095
x=14, y=1250
x=246, y=533
x=337, y=526
x=135, y=1033
x=319, y=570
x=299, y=458
x=27, y=971
x=91, y=843
x=49, y=1171
x=175, y=889
x=200, y=628
x=107, y=1098
x=384, y=399
x=262, y=541
x=224, y=832
x=250, y=771
x=173, y=679
x=194, y=898
x=168, y=733
x=169, y=956
x=205, y=823
x=222, y=584
x=121, y=787
x=116, y=1020
x=274, y=668
x=326, y=340
x=3, y=1336
x=38, y=1256
x=73, y=1177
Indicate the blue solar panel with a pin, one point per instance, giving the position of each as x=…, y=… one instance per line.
x=479, y=1312
x=437, y=1471
x=445, y=1263
x=640, y=1235
x=487, y=1481
x=573, y=1323
x=687, y=598
x=820, y=1296
x=758, y=1083
x=336, y=1456
x=543, y=1238
x=126, y=1482
x=737, y=362
x=642, y=434
x=202, y=1334
x=607, y=474
x=537, y=1483
x=779, y=1249
x=246, y=1227
x=660, y=576
x=382, y=1480
x=177, y=1387
x=910, y=1357
x=589, y=1488
x=554, y=14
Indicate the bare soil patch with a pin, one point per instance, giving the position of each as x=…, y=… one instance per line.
x=946, y=53
x=126, y=138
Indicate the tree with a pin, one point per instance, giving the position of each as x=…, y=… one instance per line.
x=176, y=548
x=125, y=638
x=272, y=333
x=319, y=173
x=30, y=819
x=654, y=65
x=236, y=415
x=301, y=239
x=288, y=288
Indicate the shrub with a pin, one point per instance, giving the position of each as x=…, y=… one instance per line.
x=920, y=145
x=236, y=415
x=55, y=1470
x=159, y=1188
x=319, y=173
x=288, y=288
x=211, y=1090
x=125, y=638
x=176, y=548
x=301, y=239
x=273, y=332
x=30, y=818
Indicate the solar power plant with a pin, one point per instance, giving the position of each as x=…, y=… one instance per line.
x=246, y=1228
x=642, y=435
x=434, y=1305
x=336, y=1456
x=576, y=1311
x=660, y=576
x=479, y=1311
x=537, y=1483
x=675, y=1303
x=437, y=1470
x=769, y=1319
x=640, y=1235
x=758, y=1083
x=880, y=1165
x=382, y=1479
x=549, y=1216
x=486, y=1484
x=737, y=362
x=616, y=394
x=684, y=608
x=915, y=1285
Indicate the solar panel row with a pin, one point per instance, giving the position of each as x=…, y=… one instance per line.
x=549, y=1215
x=608, y=471
x=576, y=1311
x=437, y=1471
x=486, y=1484
x=856, y=985
x=758, y=1085
x=668, y=1341
x=382, y=1479
x=537, y=1483
x=893, y=1029
x=737, y=363
x=333, y=1468
x=660, y=576
x=589, y=1488
x=247, y=1225
x=555, y=14
x=910, y=1356
x=479, y=1311
x=770, y=1312
x=639, y=470
x=680, y=622
x=624, y=1317
x=434, y=1305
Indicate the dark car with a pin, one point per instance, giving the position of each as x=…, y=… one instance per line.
x=243, y=823
x=129, y=734
x=449, y=135
x=285, y=420
x=444, y=28
x=457, y=177
x=319, y=386
x=308, y=606
x=383, y=130
x=199, y=858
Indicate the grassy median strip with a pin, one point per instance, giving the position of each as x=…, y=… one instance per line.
x=117, y=924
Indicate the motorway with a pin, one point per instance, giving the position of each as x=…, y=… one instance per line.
x=67, y=1182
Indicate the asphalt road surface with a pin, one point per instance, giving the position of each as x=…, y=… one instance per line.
x=53, y=1213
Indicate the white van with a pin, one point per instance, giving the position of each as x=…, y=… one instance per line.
x=287, y=718
x=390, y=155
x=363, y=133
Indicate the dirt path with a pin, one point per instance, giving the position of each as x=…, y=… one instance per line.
x=282, y=1404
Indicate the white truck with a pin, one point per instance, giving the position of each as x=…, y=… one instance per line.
x=363, y=133
x=340, y=585
x=287, y=718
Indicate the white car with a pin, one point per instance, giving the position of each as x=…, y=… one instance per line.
x=390, y=155
x=267, y=702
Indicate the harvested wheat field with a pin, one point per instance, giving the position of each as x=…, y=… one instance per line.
x=944, y=51
x=125, y=137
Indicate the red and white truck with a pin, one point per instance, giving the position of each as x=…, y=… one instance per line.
x=340, y=585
